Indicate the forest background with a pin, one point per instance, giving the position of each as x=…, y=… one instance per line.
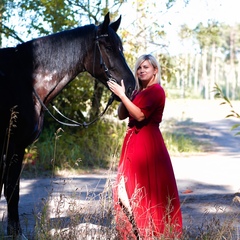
x=195, y=54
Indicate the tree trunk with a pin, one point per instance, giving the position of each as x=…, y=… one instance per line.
x=196, y=70
x=213, y=71
x=204, y=73
x=232, y=65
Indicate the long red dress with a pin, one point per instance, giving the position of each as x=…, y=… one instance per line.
x=146, y=197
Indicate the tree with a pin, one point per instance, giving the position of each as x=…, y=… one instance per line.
x=2, y=6
x=5, y=15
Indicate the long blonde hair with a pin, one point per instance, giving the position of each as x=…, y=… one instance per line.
x=152, y=60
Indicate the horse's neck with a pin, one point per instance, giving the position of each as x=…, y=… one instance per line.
x=58, y=63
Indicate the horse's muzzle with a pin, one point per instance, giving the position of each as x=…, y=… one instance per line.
x=129, y=92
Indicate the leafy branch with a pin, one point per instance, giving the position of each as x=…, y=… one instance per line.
x=219, y=94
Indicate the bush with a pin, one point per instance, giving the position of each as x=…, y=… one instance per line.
x=78, y=148
x=99, y=145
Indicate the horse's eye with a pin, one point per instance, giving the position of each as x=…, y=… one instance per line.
x=109, y=48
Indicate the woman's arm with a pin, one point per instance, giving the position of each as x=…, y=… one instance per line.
x=133, y=110
x=122, y=111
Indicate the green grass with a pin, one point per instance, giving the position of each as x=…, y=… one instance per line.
x=185, y=137
x=181, y=143
x=76, y=149
x=96, y=147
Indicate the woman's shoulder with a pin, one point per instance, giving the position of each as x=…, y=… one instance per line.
x=153, y=90
x=158, y=88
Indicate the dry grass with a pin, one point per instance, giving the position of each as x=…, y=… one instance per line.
x=68, y=217
x=71, y=216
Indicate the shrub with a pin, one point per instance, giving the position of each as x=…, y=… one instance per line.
x=78, y=148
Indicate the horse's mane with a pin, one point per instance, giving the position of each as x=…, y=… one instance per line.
x=58, y=49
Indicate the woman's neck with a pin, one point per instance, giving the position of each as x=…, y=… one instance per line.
x=150, y=83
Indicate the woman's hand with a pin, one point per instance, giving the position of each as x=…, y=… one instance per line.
x=131, y=108
x=116, y=88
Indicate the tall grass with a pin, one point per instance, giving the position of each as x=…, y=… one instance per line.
x=71, y=217
x=95, y=147
x=182, y=137
x=76, y=149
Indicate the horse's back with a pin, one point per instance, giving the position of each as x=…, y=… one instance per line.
x=7, y=63
x=12, y=86
x=7, y=60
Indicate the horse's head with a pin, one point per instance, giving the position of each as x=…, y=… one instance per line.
x=108, y=61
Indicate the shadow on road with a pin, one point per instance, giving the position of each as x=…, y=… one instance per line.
x=201, y=201
x=56, y=194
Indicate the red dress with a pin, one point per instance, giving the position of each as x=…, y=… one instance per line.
x=146, y=196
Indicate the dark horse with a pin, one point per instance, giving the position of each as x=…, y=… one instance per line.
x=33, y=74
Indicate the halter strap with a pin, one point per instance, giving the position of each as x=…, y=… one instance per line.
x=74, y=123
x=102, y=63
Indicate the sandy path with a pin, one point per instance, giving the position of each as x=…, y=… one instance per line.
x=208, y=183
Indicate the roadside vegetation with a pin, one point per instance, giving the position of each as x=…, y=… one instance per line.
x=99, y=146
x=233, y=113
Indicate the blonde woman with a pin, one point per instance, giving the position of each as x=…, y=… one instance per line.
x=146, y=196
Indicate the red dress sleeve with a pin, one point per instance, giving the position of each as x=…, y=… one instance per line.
x=151, y=100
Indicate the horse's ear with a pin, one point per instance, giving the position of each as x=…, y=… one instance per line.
x=115, y=25
x=105, y=23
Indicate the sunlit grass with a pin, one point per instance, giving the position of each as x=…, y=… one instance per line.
x=181, y=143
x=72, y=217
x=93, y=148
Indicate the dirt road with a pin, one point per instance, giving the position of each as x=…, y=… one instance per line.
x=208, y=183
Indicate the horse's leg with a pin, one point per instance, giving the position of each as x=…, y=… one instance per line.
x=11, y=191
x=1, y=173
x=2, y=161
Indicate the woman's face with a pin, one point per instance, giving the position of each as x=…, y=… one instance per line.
x=146, y=72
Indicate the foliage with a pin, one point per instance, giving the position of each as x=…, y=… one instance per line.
x=99, y=145
x=168, y=69
x=79, y=148
x=52, y=16
x=6, y=7
x=219, y=94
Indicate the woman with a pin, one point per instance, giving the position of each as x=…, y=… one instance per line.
x=146, y=195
